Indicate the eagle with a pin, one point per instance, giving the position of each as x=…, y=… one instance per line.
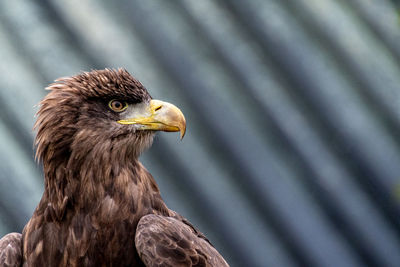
x=100, y=206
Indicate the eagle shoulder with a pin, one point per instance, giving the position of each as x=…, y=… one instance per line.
x=11, y=250
x=169, y=241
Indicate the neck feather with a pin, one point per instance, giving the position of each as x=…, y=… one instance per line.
x=84, y=183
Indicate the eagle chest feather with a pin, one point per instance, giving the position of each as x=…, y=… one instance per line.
x=102, y=230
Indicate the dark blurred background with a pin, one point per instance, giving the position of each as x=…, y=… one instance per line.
x=292, y=152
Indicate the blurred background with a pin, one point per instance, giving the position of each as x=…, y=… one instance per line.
x=292, y=152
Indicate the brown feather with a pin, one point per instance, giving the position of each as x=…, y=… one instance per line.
x=11, y=250
x=172, y=241
x=96, y=190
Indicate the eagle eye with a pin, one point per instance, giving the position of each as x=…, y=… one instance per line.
x=117, y=106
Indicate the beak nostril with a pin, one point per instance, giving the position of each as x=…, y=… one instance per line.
x=158, y=108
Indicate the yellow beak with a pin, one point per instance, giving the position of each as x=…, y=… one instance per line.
x=157, y=116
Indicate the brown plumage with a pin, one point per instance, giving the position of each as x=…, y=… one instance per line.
x=100, y=206
x=11, y=250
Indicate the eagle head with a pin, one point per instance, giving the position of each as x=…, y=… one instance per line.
x=102, y=113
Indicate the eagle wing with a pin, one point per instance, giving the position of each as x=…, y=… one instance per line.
x=11, y=250
x=169, y=241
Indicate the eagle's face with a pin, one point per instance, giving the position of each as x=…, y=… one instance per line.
x=107, y=111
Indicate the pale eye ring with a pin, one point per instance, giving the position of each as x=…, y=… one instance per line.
x=117, y=105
